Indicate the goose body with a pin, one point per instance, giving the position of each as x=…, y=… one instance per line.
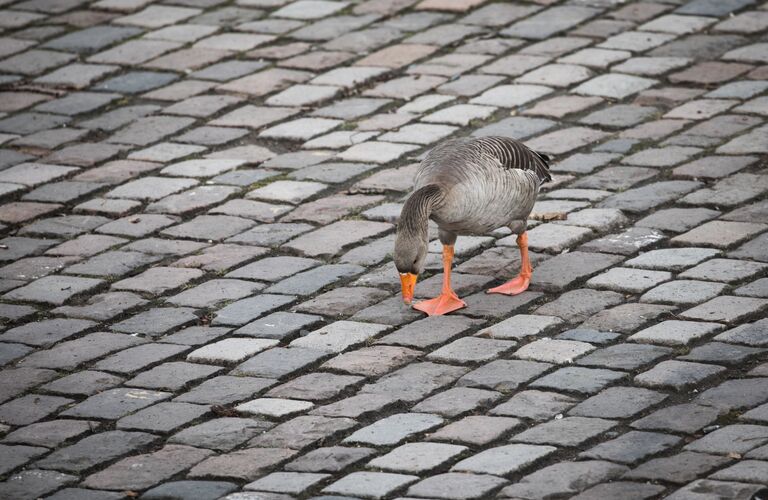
x=488, y=183
x=468, y=186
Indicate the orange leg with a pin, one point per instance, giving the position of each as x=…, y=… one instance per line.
x=447, y=301
x=520, y=283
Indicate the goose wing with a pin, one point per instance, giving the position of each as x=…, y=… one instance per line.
x=511, y=154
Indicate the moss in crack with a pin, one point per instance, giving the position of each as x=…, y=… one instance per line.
x=267, y=181
x=730, y=418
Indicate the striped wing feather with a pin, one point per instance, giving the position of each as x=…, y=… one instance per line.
x=510, y=153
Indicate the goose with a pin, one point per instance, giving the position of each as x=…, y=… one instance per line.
x=468, y=186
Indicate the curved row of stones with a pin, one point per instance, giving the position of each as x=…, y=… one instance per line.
x=198, y=206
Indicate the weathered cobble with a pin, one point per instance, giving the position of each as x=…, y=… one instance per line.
x=198, y=203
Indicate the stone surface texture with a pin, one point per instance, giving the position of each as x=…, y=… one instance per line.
x=198, y=206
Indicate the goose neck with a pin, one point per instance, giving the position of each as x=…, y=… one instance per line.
x=419, y=206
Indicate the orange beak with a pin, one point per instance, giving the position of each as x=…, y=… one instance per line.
x=408, y=282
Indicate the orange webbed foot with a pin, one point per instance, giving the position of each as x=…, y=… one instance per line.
x=442, y=304
x=513, y=287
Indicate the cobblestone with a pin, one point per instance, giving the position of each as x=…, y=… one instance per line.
x=205, y=490
x=563, y=479
x=357, y=406
x=235, y=259
x=622, y=489
x=632, y=447
x=370, y=484
x=475, y=430
x=84, y=383
x=142, y=471
x=628, y=280
x=442, y=329
x=278, y=362
x=677, y=374
x=244, y=465
x=578, y=379
x=55, y=290
x=156, y=322
x=95, y=449
x=683, y=292
x=46, y=332
x=569, y=431
x=674, y=259
x=221, y=434
x=225, y=389
x=35, y=482
x=578, y=306
x=315, y=386
x=304, y=431
x=559, y=272
x=687, y=418
x=617, y=402
x=394, y=429
x=417, y=457
x=457, y=485
x=504, y=459
x=49, y=434
x=726, y=308
x=738, y=438
x=457, y=401
x=331, y=459
x=681, y=468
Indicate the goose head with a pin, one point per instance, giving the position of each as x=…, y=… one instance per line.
x=410, y=254
x=413, y=236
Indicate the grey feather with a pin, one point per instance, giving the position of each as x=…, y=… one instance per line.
x=488, y=182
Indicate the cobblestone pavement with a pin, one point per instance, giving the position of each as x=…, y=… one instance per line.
x=198, y=299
